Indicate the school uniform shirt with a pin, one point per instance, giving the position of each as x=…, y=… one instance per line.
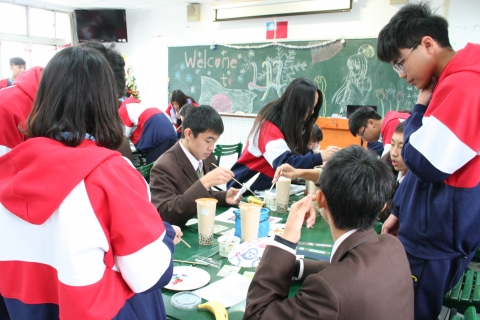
x=79, y=238
x=147, y=127
x=390, y=122
x=438, y=202
x=16, y=102
x=264, y=152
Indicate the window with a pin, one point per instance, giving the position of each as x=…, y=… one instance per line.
x=33, y=34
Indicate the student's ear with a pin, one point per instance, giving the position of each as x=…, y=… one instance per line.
x=429, y=44
x=372, y=123
x=321, y=200
x=187, y=133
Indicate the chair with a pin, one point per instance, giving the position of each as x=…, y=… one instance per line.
x=465, y=293
x=226, y=150
x=470, y=314
x=145, y=170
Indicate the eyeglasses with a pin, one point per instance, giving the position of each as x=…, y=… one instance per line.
x=362, y=135
x=398, y=66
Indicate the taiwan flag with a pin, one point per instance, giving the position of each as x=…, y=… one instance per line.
x=277, y=30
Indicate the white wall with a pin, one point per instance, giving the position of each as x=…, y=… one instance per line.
x=151, y=32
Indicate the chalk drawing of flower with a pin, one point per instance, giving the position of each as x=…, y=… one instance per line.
x=178, y=75
x=188, y=78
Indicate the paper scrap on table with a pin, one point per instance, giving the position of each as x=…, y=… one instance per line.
x=249, y=274
x=191, y=221
x=222, y=292
x=227, y=216
x=228, y=270
x=276, y=229
x=219, y=228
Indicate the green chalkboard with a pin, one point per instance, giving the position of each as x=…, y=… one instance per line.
x=245, y=77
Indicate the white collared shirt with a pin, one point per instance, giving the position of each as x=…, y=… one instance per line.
x=195, y=163
x=400, y=177
x=339, y=241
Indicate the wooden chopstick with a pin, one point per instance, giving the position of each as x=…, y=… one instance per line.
x=185, y=242
x=213, y=164
x=268, y=193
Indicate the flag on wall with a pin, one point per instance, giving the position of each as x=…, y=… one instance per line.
x=277, y=30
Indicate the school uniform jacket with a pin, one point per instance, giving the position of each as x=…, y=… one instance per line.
x=16, y=102
x=4, y=83
x=369, y=278
x=147, y=127
x=79, y=238
x=263, y=153
x=390, y=122
x=175, y=186
x=438, y=202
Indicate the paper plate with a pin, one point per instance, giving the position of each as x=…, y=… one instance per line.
x=248, y=254
x=188, y=278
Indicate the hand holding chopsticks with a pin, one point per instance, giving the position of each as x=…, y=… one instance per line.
x=213, y=164
x=273, y=184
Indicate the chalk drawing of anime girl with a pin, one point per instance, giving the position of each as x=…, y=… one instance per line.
x=356, y=85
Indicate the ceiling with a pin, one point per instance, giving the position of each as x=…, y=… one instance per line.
x=104, y=4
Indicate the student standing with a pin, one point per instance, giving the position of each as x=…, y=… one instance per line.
x=280, y=134
x=437, y=206
x=79, y=238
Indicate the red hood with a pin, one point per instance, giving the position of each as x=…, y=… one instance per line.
x=38, y=175
x=28, y=81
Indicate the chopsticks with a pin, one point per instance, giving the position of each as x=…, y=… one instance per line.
x=268, y=193
x=213, y=164
x=185, y=242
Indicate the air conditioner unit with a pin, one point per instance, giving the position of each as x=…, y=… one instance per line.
x=248, y=9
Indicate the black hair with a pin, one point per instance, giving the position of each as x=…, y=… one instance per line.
x=202, y=119
x=17, y=61
x=76, y=96
x=359, y=118
x=407, y=28
x=356, y=185
x=115, y=60
x=185, y=109
x=181, y=98
x=288, y=114
x=317, y=134
x=399, y=127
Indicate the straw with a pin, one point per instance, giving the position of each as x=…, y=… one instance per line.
x=268, y=193
x=213, y=164
x=190, y=262
x=185, y=242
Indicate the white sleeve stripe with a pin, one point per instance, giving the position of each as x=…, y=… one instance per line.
x=433, y=130
x=142, y=269
x=4, y=150
x=275, y=148
x=282, y=246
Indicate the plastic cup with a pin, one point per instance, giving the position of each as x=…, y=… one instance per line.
x=271, y=202
x=283, y=194
x=225, y=247
x=250, y=220
x=206, y=220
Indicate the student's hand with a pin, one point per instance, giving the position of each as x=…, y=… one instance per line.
x=391, y=225
x=300, y=212
x=425, y=95
x=329, y=152
x=287, y=171
x=216, y=177
x=178, y=234
x=231, y=193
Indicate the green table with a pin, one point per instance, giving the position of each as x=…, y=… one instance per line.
x=320, y=233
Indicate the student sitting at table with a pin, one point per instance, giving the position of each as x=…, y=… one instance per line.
x=181, y=175
x=280, y=134
x=368, y=276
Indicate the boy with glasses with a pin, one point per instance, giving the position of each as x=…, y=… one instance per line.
x=370, y=126
x=437, y=206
